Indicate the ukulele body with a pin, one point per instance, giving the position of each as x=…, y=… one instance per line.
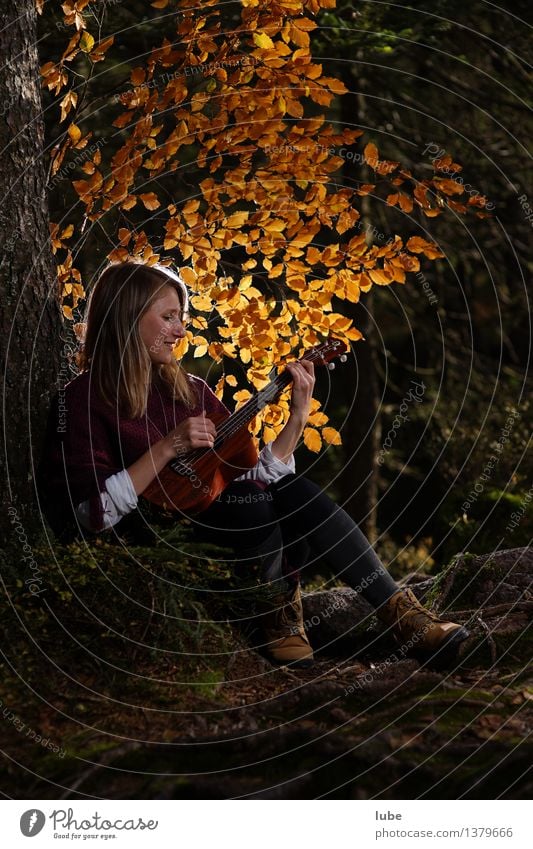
x=190, y=487
x=193, y=481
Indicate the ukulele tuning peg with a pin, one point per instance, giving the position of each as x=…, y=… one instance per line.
x=343, y=358
x=331, y=366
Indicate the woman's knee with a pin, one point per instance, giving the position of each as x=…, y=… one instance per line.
x=299, y=493
x=243, y=505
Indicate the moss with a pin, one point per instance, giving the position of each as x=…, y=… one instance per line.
x=207, y=682
x=461, y=567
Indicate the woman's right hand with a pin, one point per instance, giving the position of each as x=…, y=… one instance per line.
x=194, y=432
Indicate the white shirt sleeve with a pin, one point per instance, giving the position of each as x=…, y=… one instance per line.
x=119, y=499
x=269, y=468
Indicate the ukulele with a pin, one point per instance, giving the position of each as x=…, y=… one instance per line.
x=196, y=478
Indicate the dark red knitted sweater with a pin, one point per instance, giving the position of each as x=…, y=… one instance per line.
x=87, y=441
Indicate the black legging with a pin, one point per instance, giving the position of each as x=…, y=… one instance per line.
x=279, y=525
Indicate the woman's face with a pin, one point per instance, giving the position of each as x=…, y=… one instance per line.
x=161, y=326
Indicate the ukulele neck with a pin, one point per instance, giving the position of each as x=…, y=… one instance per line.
x=253, y=406
x=244, y=415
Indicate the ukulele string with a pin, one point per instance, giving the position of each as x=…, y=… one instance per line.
x=239, y=418
x=248, y=411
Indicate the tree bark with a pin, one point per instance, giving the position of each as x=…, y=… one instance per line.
x=361, y=433
x=31, y=323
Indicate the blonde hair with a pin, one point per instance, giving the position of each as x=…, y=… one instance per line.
x=120, y=364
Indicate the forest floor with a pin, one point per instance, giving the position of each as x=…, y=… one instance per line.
x=116, y=683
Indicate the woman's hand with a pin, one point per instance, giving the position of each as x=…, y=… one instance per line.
x=194, y=432
x=303, y=377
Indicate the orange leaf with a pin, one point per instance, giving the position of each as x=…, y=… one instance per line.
x=137, y=76
x=331, y=436
x=417, y=245
x=74, y=133
x=449, y=187
x=261, y=39
x=150, y=200
x=317, y=419
x=312, y=439
x=337, y=86
x=405, y=203
x=371, y=155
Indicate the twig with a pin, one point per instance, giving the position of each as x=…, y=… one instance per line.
x=490, y=639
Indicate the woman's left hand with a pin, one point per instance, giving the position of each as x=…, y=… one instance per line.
x=303, y=376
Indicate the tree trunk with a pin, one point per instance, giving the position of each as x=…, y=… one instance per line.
x=361, y=432
x=31, y=323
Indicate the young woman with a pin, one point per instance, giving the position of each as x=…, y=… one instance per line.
x=133, y=409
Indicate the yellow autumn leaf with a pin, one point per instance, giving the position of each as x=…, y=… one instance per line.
x=371, y=155
x=354, y=334
x=242, y=396
x=98, y=54
x=312, y=439
x=417, y=245
x=181, y=347
x=237, y=219
x=269, y=434
x=331, y=436
x=219, y=388
x=129, y=202
x=263, y=40
x=188, y=275
x=277, y=225
x=380, y=277
x=150, y=200
x=137, y=76
x=449, y=187
x=70, y=100
x=318, y=419
x=124, y=236
x=74, y=133
x=201, y=302
x=405, y=203
x=86, y=42
x=334, y=85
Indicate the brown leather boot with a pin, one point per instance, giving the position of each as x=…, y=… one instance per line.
x=420, y=631
x=283, y=626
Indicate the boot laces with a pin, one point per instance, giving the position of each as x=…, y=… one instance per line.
x=409, y=604
x=290, y=612
x=287, y=615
